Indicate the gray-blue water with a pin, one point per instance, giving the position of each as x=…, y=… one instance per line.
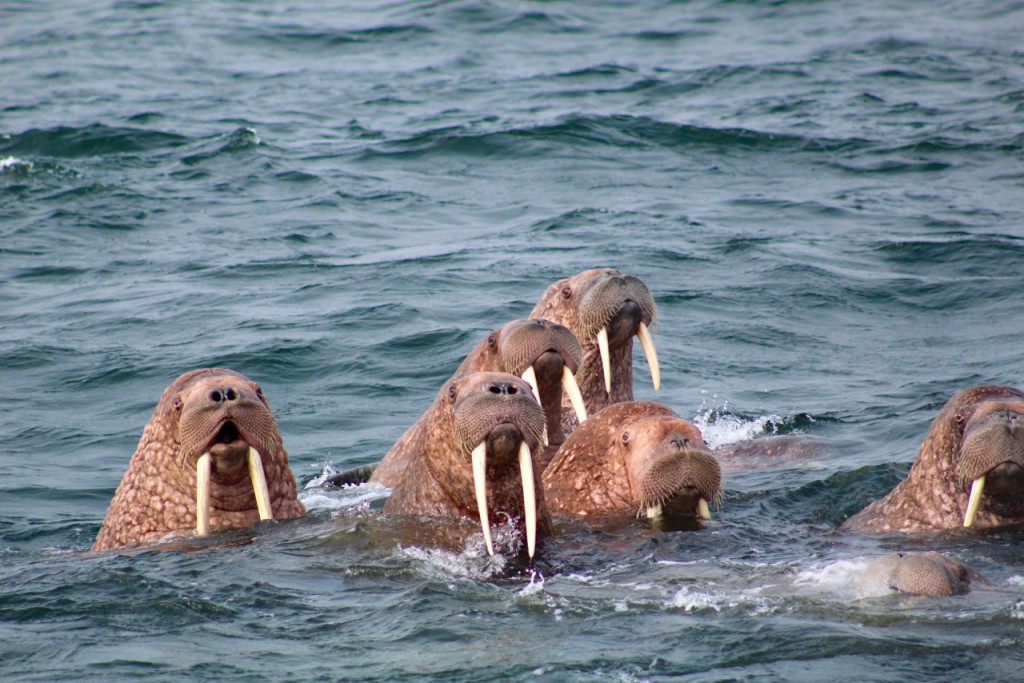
x=340, y=199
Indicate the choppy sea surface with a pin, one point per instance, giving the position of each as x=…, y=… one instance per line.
x=340, y=199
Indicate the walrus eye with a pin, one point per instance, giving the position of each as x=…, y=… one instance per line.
x=567, y=292
x=452, y=392
x=492, y=340
x=625, y=438
x=178, y=403
x=259, y=391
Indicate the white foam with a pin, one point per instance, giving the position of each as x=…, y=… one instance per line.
x=315, y=497
x=843, y=580
x=720, y=428
x=690, y=599
x=14, y=162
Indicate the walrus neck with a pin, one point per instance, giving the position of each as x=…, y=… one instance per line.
x=590, y=377
x=933, y=486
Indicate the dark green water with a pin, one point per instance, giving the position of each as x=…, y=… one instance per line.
x=339, y=200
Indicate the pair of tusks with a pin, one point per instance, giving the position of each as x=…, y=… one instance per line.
x=568, y=383
x=529, y=497
x=975, y=500
x=259, y=487
x=646, y=341
x=703, y=511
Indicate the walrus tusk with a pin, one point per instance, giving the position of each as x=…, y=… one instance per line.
x=647, y=342
x=259, y=484
x=575, y=396
x=480, y=486
x=203, y=495
x=530, y=377
x=702, y=509
x=529, y=497
x=606, y=361
x=975, y=500
x=654, y=512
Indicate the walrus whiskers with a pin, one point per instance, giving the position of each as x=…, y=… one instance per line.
x=575, y=396
x=529, y=497
x=259, y=484
x=606, y=362
x=480, y=487
x=647, y=343
x=203, y=495
x=975, y=500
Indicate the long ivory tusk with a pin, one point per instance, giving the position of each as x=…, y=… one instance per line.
x=606, y=361
x=530, y=377
x=529, y=497
x=702, y=509
x=647, y=342
x=575, y=396
x=259, y=484
x=480, y=486
x=975, y=500
x=203, y=495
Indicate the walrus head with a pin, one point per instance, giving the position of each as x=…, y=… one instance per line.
x=546, y=355
x=634, y=455
x=211, y=456
x=605, y=309
x=927, y=573
x=497, y=428
x=991, y=457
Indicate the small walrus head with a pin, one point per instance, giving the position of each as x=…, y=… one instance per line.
x=991, y=456
x=497, y=428
x=546, y=355
x=604, y=308
x=204, y=459
x=634, y=455
x=927, y=573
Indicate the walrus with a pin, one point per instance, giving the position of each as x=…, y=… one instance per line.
x=210, y=459
x=969, y=470
x=475, y=456
x=635, y=455
x=605, y=309
x=926, y=573
x=546, y=355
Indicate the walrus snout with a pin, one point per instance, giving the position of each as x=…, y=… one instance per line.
x=681, y=481
x=927, y=573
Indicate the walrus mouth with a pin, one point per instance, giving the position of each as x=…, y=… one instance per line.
x=529, y=496
x=259, y=487
x=572, y=389
x=646, y=343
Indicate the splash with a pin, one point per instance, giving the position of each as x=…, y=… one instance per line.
x=720, y=427
x=315, y=497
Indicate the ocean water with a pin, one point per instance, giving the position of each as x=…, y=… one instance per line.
x=340, y=199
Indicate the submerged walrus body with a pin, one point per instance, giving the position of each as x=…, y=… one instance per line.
x=969, y=470
x=210, y=459
x=605, y=309
x=475, y=457
x=636, y=456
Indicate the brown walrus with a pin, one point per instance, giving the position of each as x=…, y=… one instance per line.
x=927, y=573
x=633, y=455
x=969, y=470
x=212, y=445
x=475, y=456
x=605, y=309
x=544, y=353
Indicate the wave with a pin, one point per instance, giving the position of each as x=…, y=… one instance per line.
x=88, y=141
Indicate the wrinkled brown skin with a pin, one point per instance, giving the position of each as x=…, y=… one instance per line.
x=157, y=495
x=979, y=431
x=586, y=302
x=438, y=479
x=927, y=573
x=512, y=348
x=631, y=456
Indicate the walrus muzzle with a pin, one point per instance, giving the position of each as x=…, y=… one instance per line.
x=993, y=453
x=259, y=487
x=672, y=481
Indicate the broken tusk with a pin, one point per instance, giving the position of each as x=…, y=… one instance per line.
x=203, y=495
x=575, y=396
x=259, y=484
x=702, y=509
x=975, y=501
x=529, y=497
x=480, y=487
x=606, y=361
x=647, y=343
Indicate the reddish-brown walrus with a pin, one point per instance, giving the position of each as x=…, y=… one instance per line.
x=633, y=456
x=476, y=456
x=212, y=445
x=544, y=353
x=969, y=470
x=605, y=309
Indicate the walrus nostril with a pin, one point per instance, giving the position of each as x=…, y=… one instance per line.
x=216, y=396
x=502, y=388
x=230, y=394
